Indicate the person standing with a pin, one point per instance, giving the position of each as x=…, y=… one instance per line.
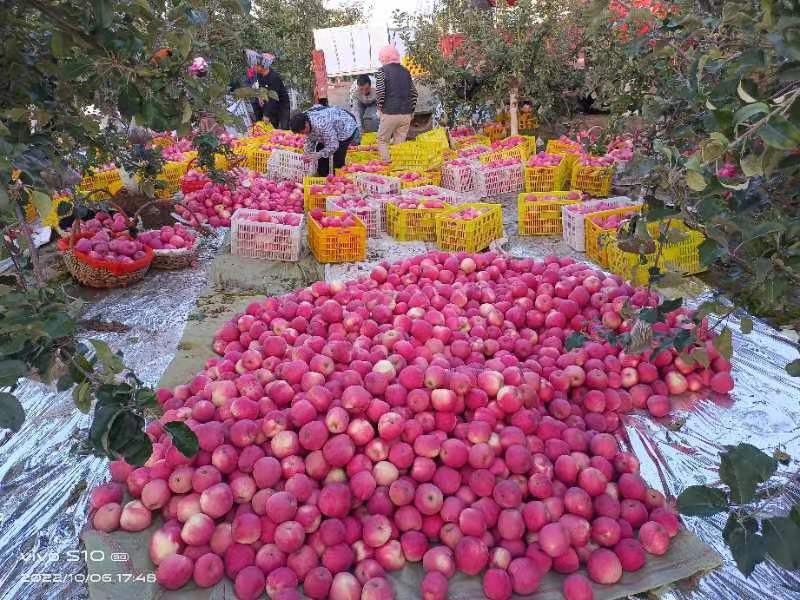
x=329, y=132
x=396, y=99
x=363, y=103
x=276, y=110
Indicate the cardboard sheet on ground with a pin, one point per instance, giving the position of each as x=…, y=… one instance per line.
x=688, y=556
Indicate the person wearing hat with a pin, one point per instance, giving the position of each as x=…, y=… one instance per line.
x=261, y=75
x=396, y=98
x=329, y=133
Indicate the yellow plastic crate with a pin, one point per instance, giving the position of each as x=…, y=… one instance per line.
x=682, y=256
x=437, y=137
x=472, y=140
x=414, y=156
x=595, y=181
x=361, y=156
x=406, y=184
x=162, y=141
x=530, y=145
x=559, y=147
x=412, y=224
x=171, y=175
x=435, y=175
x=457, y=235
x=517, y=152
x=104, y=180
x=542, y=217
x=369, y=138
x=312, y=201
x=599, y=239
x=348, y=171
x=261, y=128
x=546, y=179
x=337, y=244
x=257, y=159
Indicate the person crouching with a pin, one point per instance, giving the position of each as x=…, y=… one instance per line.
x=329, y=133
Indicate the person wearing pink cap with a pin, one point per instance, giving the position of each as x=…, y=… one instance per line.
x=396, y=97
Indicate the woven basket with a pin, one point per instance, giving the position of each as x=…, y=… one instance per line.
x=173, y=260
x=97, y=277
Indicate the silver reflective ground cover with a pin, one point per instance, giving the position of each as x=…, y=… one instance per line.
x=43, y=507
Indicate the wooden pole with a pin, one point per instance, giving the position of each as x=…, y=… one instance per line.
x=512, y=110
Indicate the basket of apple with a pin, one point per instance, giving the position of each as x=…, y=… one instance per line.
x=336, y=236
x=97, y=259
x=174, y=247
x=413, y=218
x=546, y=172
x=593, y=175
x=355, y=204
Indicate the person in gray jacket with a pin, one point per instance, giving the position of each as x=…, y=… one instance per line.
x=396, y=97
x=363, y=103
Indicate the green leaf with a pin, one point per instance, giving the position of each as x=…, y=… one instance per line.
x=723, y=343
x=82, y=397
x=184, y=438
x=748, y=111
x=667, y=306
x=780, y=133
x=747, y=91
x=103, y=13
x=752, y=165
x=139, y=453
x=696, y=181
x=746, y=325
x=700, y=356
x=793, y=368
x=184, y=45
x=710, y=251
x=12, y=415
x=743, y=468
x=42, y=202
x=795, y=514
x=702, y=501
x=58, y=325
x=782, y=541
x=57, y=44
x=11, y=371
x=107, y=357
x=746, y=546
x=104, y=415
x=575, y=340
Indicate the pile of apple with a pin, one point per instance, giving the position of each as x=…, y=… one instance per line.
x=621, y=148
x=215, y=203
x=103, y=221
x=288, y=139
x=592, y=207
x=596, y=161
x=429, y=192
x=429, y=413
x=277, y=218
x=460, y=162
x=372, y=166
x=326, y=220
x=335, y=185
x=351, y=201
x=612, y=221
x=500, y=163
x=468, y=214
x=473, y=151
x=572, y=195
x=409, y=176
x=510, y=142
x=176, y=152
x=462, y=132
x=542, y=159
x=169, y=237
x=412, y=202
x=103, y=247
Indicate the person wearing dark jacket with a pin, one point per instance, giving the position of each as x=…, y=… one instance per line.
x=261, y=75
x=396, y=98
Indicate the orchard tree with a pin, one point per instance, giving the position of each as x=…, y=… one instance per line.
x=477, y=57
x=81, y=81
x=723, y=113
x=286, y=29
